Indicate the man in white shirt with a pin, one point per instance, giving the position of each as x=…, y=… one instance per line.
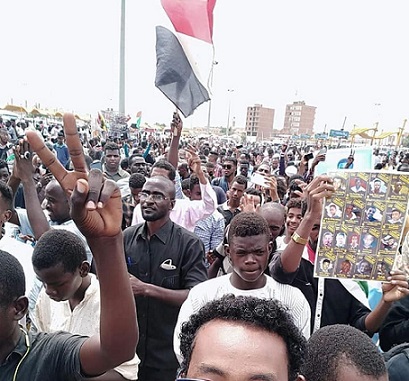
x=248, y=251
x=70, y=298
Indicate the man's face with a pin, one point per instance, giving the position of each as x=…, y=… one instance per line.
x=182, y=169
x=4, y=175
x=229, y=168
x=275, y=222
x=354, y=240
x=59, y=285
x=4, y=136
x=57, y=203
x=340, y=240
x=244, y=169
x=138, y=165
x=263, y=169
x=327, y=239
x=397, y=187
x=154, y=210
x=358, y=183
x=112, y=160
x=195, y=193
x=293, y=220
x=221, y=345
x=345, y=267
x=371, y=212
x=368, y=239
x=325, y=265
x=364, y=267
x=274, y=163
x=332, y=210
x=395, y=215
x=236, y=193
x=249, y=258
x=348, y=209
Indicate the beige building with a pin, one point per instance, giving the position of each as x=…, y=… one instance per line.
x=299, y=119
x=259, y=123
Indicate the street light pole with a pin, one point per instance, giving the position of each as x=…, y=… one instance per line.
x=228, y=114
x=121, y=107
x=210, y=100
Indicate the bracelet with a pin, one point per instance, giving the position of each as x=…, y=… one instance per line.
x=297, y=239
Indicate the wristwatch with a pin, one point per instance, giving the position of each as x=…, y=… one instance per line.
x=297, y=239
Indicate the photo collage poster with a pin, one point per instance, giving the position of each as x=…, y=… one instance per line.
x=362, y=225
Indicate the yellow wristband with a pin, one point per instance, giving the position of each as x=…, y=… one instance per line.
x=297, y=239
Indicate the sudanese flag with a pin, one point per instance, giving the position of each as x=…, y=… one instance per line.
x=184, y=55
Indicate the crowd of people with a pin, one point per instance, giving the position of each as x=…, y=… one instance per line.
x=182, y=259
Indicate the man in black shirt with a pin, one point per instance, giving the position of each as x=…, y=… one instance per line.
x=165, y=261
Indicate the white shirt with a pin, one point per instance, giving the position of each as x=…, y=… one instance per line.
x=23, y=252
x=215, y=288
x=84, y=319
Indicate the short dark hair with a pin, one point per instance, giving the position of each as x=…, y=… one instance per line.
x=335, y=346
x=59, y=246
x=3, y=164
x=193, y=180
x=293, y=203
x=266, y=314
x=6, y=194
x=247, y=224
x=12, y=279
x=255, y=192
x=111, y=146
x=164, y=164
x=185, y=184
x=240, y=179
x=136, y=180
x=230, y=158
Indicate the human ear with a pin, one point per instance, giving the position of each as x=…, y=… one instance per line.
x=84, y=269
x=6, y=216
x=20, y=307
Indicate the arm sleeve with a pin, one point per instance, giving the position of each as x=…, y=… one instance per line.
x=277, y=272
x=193, y=266
x=205, y=207
x=395, y=328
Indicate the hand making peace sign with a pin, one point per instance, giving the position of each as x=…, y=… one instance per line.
x=96, y=204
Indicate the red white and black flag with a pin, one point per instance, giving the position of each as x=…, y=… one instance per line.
x=184, y=55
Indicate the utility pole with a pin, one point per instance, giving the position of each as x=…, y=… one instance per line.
x=228, y=114
x=121, y=107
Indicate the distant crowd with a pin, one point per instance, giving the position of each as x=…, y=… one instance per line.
x=172, y=258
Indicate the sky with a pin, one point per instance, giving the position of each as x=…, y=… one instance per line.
x=349, y=59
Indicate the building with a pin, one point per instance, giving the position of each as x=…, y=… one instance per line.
x=259, y=123
x=299, y=119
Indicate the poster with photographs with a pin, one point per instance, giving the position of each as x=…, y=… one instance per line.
x=362, y=225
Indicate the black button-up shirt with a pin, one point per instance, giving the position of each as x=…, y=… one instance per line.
x=172, y=258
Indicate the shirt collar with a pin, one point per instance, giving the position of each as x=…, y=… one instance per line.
x=21, y=347
x=162, y=234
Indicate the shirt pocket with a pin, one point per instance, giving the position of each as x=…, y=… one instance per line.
x=172, y=282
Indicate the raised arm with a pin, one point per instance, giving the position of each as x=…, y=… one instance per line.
x=319, y=188
x=176, y=129
x=97, y=211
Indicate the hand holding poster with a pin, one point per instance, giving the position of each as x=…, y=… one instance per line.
x=362, y=225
